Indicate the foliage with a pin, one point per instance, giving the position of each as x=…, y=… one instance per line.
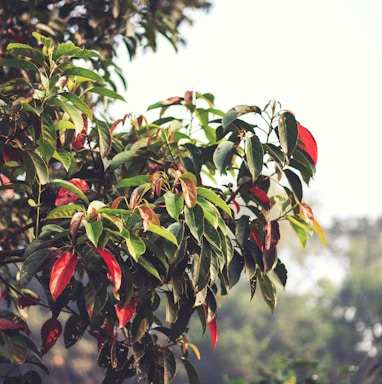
x=109, y=222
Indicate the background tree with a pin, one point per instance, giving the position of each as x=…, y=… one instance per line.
x=104, y=223
x=97, y=25
x=331, y=330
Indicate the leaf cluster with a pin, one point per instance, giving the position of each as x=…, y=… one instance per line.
x=133, y=227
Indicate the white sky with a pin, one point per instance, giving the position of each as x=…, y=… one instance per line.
x=321, y=59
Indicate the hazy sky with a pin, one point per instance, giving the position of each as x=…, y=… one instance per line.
x=321, y=59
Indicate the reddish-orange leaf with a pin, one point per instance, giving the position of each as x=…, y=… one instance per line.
x=62, y=272
x=65, y=197
x=116, y=202
x=307, y=143
x=261, y=197
x=172, y=100
x=213, y=325
x=75, y=223
x=113, y=266
x=272, y=236
x=189, y=191
x=148, y=216
x=188, y=96
x=308, y=213
x=125, y=312
x=50, y=332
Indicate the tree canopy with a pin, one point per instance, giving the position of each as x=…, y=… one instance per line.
x=124, y=230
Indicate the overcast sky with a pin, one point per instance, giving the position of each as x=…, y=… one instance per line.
x=321, y=59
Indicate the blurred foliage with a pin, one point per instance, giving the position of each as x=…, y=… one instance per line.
x=333, y=328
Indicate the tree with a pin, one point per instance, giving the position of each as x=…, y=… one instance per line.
x=106, y=222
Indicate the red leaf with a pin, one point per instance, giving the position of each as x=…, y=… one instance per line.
x=65, y=197
x=125, y=312
x=79, y=141
x=10, y=154
x=237, y=205
x=257, y=239
x=261, y=197
x=8, y=325
x=62, y=272
x=28, y=299
x=114, y=268
x=213, y=325
x=307, y=143
x=50, y=332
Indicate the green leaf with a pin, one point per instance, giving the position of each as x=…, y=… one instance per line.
x=254, y=154
x=93, y=230
x=242, y=230
x=223, y=155
x=47, y=142
x=70, y=187
x=280, y=272
x=40, y=167
x=194, y=221
x=19, y=63
x=74, y=329
x=135, y=245
x=149, y=267
x=72, y=111
x=171, y=308
x=301, y=228
x=134, y=181
x=163, y=232
x=104, y=138
x=192, y=374
x=210, y=214
x=17, y=348
x=303, y=164
x=106, y=93
x=66, y=49
x=95, y=294
x=268, y=291
x=66, y=159
x=42, y=39
x=31, y=264
x=236, y=112
x=288, y=132
x=201, y=267
x=83, y=74
x=295, y=183
x=28, y=51
x=215, y=199
x=174, y=204
x=275, y=152
x=211, y=235
x=121, y=158
x=78, y=103
x=169, y=365
x=64, y=211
